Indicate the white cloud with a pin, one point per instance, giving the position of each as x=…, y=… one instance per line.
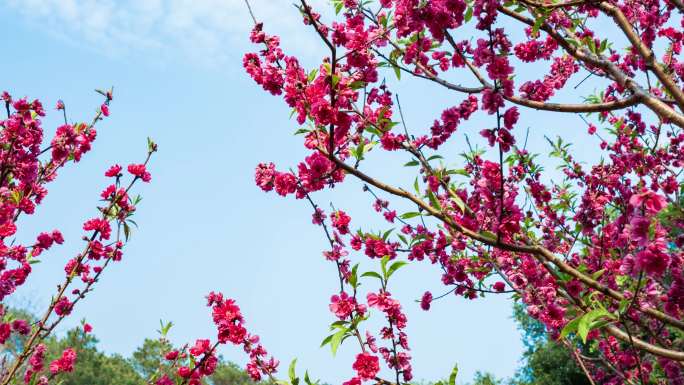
x=205, y=31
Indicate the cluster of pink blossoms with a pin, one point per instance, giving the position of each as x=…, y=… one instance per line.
x=193, y=364
x=604, y=239
x=25, y=170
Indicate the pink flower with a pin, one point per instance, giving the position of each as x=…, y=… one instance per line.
x=164, y=380
x=87, y=328
x=201, y=346
x=318, y=217
x=184, y=372
x=353, y=381
x=499, y=286
x=340, y=220
x=425, y=301
x=60, y=105
x=264, y=175
x=390, y=215
x=44, y=240
x=285, y=183
x=21, y=326
x=140, y=171
x=650, y=201
x=100, y=225
x=639, y=230
x=105, y=109
x=113, y=171
x=652, y=260
x=64, y=363
x=172, y=355
x=366, y=365
x=5, y=330
x=342, y=305
x=57, y=237
x=63, y=307
x=511, y=117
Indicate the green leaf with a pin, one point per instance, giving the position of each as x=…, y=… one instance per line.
x=468, y=14
x=312, y=75
x=326, y=340
x=372, y=274
x=291, y=370
x=307, y=380
x=353, y=277
x=459, y=202
x=458, y=172
x=433, y=200
x=409, y=215
x=598, y=274
x=587, y=321
x=383, y=265
x=395, y=266
x=454, y=373
x=151, y=145
x=336, y=340
x=489, y=234
x=411, y=163
x=538, y=23
x=570, y=327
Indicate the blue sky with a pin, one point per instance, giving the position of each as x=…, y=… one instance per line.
x=176, y=70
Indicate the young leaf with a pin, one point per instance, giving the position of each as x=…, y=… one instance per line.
x=587, y=321
x=409, y=215
x=291, y=370
x=336, y=340
x=433, y=200
x=570, y=327
x=326, y=340
x=383, y=265
x=454, y=373
x=468, y=14
x=353, y=277
x=372, y=274
x=395, y=266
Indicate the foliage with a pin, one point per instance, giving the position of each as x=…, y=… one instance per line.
x=98, y=368
x=546, y=362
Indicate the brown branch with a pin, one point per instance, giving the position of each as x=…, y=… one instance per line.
x=556, y=107
x=581, y=364
x=536, y=250
x=582, y=54
x=574, y=108
x=649, y=57
x=551, y=6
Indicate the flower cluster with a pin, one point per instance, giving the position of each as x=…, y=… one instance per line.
x=28, y=164
x=601, y=240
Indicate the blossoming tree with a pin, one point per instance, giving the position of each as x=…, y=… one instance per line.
x=27, y=165
x=596, y=256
